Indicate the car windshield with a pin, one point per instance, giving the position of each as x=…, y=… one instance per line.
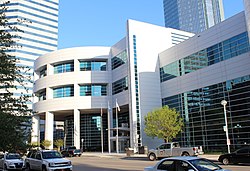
x=13, y=156
x=51, y=154
x=205, y=165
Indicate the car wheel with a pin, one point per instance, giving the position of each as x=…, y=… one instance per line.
x=152, y=157
x=225, y=161
x=185, y=154
x=28, y=167
x=44, y=168
x=5, y=167
x=79, y=155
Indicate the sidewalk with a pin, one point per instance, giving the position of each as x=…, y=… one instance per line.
x=122, y=155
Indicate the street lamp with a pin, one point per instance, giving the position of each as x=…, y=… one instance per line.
x=82, y=143
x=224, y=103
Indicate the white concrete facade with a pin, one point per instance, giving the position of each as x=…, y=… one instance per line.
x=133, y=79
x=75, y=103
x=126, y=99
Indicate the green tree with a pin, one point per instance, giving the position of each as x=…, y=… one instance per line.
x=14, y=112
x=34, y=145
x=59, y=143
x=163, y=123
x=46, y=144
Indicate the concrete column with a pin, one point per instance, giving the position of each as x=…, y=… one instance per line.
x=247, y=15
x=77, y=128
x=49, y=127
x=76, y=90
x=50, y=69
x=49, y=93
x=35, y=134
x=76, y=65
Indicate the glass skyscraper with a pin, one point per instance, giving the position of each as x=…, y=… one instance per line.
x=192, y=15
x=39, y=36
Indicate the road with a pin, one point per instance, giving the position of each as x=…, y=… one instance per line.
x=95, y=163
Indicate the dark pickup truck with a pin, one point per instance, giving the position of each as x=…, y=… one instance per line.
x=71, y=152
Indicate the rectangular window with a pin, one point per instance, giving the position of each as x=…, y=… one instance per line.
x=85, y=66
x=85, y=90
x=62, y=68
x=120, y=85
x=42, y=95
x=93, y=90
x=93, y=66
x=60, y=92
x=43, y=72
x=119, y=60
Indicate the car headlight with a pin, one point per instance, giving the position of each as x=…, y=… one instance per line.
x=10, y=163
x=51, y=164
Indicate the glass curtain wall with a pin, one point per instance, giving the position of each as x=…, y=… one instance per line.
x=204, y=115
x=227, y=49
x=90, y=131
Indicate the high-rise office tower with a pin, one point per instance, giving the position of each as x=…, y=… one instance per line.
x=192, y=15
x=39, y=34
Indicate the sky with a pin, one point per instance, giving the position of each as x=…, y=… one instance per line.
x=103, y=22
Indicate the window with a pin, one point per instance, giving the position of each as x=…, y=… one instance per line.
x=38, y=156
x=93, y=66
x=62, y=68
x=43, y=72
x=99, y=66
x=166, y=165
x=33, y=155
x=119, y=60
x=51, y=154
x=182, y=166
x=85, y=66
x=243, y=151
x=42, y=95
x=93, y=90
x=67, y=91
x=120, y=85
x=85, y=90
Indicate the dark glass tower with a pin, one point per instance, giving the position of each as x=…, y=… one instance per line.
x=192, y=15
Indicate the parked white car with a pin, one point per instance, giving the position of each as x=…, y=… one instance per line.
x=47, y=160
x=11, y=161
x=185, y=163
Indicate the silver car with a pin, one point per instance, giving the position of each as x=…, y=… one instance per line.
x=184, y=163
x=11, y=161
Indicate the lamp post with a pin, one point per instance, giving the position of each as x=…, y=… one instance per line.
x=224, y=103
x=82, y=143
